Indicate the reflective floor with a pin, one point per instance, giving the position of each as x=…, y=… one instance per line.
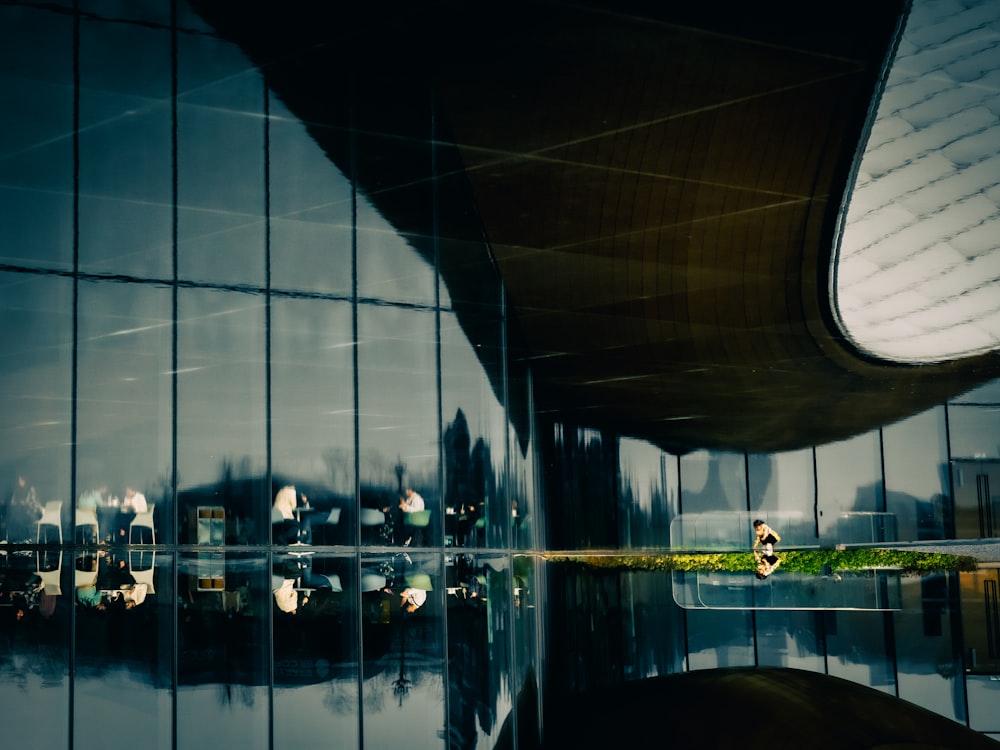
x=300, y=647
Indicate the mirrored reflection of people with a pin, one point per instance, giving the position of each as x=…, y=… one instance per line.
x=764, y=535
x=286, y=596
x=285, y=527
x=412, y=599
x=23, y=510
x=766, y=565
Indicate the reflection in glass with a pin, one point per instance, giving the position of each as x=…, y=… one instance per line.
x=860, y=489
x=398, y=417
x=124, y=396
x=858, y=648
x=479, y=657
x=310, y=210
x=928, y=668
x=315, y=646
x=389, y=268
x=36, y=152
x=645, y=515
x=220, y=164
x=221, y=397
x=974, y=431
x=473, y=440
x=125, y=150
x=403, y=688
x=36, y=594
x=713, y=480
x=312, y=409
x=35, y=389
x=124, y=628
x=915, y=458
x=222, y=649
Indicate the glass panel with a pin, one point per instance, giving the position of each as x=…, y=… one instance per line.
x=719, y=639
x=857, y=650
x=980, y=596
x=36, y=150
x=985, y=394
x=222, y=650
x=315, y=640
x=220, y=164
x=712, y=480
x=402, y=627
x=973, y=431
x=312, y=407
x=520, y=483
x=645, y=520
x=36, y=589
x=124, y=648
x=36, y=332
x=388, y=266
x=528, y=573
x=310, y=203
x=580, y=486
x=977, y=498
x=790, y=639
x=783, y=493
x=476, y=515
x=479, y=657
x=849, y=487
x=915, y=454
x=398, y=420
x=124, y=396
x=119, y=9
x=926, y=668
x=125, y=150
x=984, y=691
x=221, y=417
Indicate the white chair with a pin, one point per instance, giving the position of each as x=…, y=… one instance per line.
x=51, y=516
x=142, y=566
x=86, y=518
x=51, y=576
x=142, y=521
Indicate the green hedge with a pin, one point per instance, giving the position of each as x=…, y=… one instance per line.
x=792, y=561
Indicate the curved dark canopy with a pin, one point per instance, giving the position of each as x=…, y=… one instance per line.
x=658, y=186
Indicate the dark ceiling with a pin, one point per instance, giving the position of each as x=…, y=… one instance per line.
x=659, y=187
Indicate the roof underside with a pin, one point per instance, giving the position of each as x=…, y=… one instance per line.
x=659, y=189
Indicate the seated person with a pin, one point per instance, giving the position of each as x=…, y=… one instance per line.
x=23, y=510
x=412, y=599
x=285, y=527
x=134, y=501
x=92, y=499
x=286, y=596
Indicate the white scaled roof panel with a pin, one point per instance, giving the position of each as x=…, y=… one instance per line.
x=917, y=273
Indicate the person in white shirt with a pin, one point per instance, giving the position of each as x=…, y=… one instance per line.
x=134, y=501
x=411, y=501
x=412, y=599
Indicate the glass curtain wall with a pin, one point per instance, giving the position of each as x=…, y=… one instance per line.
x=203, y=308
